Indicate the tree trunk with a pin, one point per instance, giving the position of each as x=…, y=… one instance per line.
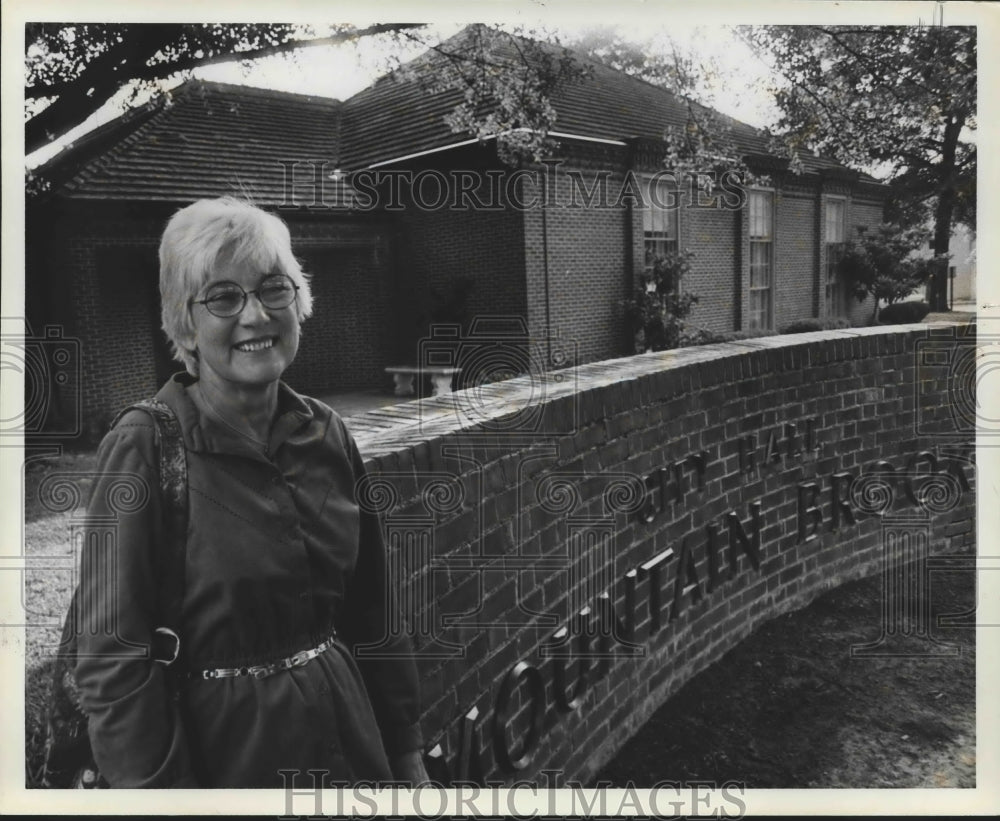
x=938, y=291
x=942, y=236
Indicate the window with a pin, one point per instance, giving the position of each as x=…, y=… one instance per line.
x=659, y=220
x=761, y=258
x=834, y=221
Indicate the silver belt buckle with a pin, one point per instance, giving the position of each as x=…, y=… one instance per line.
x=299, y=659
x=231, y=672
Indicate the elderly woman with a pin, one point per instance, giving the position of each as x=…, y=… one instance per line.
x=280, y=562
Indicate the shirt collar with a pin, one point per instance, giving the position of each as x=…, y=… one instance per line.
x=204, y=432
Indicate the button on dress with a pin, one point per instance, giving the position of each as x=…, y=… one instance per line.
x=278, y=557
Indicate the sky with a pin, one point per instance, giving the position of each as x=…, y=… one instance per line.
x=341, y=71
x=702, y=29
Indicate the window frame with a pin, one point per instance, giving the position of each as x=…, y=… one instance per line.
x=766, y=313
x=835, y=301
x=653, y=240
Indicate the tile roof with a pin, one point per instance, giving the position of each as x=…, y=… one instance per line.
x=396, y=118
x=393, y=119
x=612, y=104
x=206, y=140
x=211, y=139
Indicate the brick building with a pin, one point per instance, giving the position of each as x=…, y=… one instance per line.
x=92, y=239
x=385, y=264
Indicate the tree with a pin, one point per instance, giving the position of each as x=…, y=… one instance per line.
x=899, y=98
x=705, y=142
x=73, y=70
x=882, y=264
x=503, y=81
x=657, y=310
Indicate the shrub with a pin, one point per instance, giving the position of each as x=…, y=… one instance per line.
x=703, y=336
x=804, y=326
x=657, y=311
x=755, y=333
x=903, y=313
x=881, y=263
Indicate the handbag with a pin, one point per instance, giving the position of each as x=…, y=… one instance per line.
x=68, y=757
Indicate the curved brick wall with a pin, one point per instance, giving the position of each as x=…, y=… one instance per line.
x=569, y=550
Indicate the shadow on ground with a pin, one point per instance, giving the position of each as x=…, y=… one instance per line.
x=790, y=708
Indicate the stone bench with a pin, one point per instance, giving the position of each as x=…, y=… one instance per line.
x=403, y=376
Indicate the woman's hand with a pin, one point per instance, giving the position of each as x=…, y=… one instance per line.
x=409, y=767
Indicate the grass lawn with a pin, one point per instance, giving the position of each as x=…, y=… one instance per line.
x=41, y=496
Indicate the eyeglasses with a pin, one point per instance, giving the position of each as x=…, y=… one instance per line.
x=227, y=299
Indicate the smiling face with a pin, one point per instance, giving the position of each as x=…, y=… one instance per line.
x=251, y=349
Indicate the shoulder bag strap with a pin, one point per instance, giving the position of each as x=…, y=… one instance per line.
x=172, y=458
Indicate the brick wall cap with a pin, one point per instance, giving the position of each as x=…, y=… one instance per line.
x=494, y=407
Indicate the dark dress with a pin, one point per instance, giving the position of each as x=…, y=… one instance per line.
x=278, y=555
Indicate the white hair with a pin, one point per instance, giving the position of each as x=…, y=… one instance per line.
x=192, y=243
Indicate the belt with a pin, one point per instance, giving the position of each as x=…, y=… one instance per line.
x=300, y=659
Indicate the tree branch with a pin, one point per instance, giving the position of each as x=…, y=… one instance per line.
x=882, y=70
x=155, y=72
x=95, y=86
x=77, y=99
